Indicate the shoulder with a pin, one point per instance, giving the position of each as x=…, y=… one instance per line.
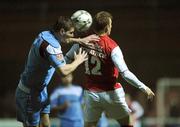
x=112, y=44
x=50, y=38
x=79, y=88
x=56, y=93
x=109, y=43
x=52, y=50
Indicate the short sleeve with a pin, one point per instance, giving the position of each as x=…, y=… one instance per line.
x=52, y=54
x=56, y=60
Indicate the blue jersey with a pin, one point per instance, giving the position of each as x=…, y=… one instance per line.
x=44, y=56
x=71, y=94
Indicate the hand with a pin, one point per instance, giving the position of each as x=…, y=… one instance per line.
x=66, y=105
x=81, y=56
x=91, y=38
x=149, y=93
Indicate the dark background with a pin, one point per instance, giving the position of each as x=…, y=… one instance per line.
x=148, y=32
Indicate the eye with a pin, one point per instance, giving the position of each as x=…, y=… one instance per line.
x=72, y=32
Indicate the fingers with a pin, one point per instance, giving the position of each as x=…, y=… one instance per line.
x=150, y=95
x=75, y=54
x=89, y=45
x=85, y=56
x=80, y=51
x=81, y=54
x=93, y=37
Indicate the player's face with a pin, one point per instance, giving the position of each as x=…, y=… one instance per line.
x=69, y=33
x=109, y=27
x=66, y=34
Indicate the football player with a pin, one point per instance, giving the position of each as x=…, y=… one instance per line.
x=44, y=58
x=105, y=61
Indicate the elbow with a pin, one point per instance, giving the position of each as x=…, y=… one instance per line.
x=124, y=74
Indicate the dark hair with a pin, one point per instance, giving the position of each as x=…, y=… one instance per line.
x=101, y=20
x=63, y=22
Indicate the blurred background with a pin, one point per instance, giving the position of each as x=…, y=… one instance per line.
x=148, y=32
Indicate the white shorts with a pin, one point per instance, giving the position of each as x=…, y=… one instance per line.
x=111, y=102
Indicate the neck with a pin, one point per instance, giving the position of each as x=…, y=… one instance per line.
x=57, y=36
x=101, y=33
x=66, y=85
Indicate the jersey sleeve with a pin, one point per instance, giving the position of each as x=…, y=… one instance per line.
x=69, y=57
x=112, y=46
x=56, y=60
x=118, y=59
x=55, y=56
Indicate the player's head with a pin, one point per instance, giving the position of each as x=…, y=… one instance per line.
x=64, y=28
x=102, y=23
x=67, y=80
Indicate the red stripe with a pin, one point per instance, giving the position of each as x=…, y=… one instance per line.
x=102, y=87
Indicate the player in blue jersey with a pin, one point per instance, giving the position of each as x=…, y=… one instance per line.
x=44, y=58
x=66, y=102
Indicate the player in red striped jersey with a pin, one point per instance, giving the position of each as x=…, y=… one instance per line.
x=105, y=61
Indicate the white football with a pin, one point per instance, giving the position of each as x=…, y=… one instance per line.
x=82, y=20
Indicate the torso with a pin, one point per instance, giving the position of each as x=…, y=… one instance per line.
x=101, y=74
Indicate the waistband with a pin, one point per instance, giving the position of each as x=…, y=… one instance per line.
x=23, y=87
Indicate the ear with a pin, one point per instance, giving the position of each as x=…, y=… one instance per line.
x=106, y=29
x=62, y=31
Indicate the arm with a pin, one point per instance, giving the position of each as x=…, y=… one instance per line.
x=69, y=68
x=84, y=41
x=60, y=107
x=117, y=58
x=58, y=61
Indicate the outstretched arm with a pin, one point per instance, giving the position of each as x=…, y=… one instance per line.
x=84, y=41
x=117, y=58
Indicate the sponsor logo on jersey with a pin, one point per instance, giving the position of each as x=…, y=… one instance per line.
x=59, y=56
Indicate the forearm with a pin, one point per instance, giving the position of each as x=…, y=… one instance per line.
x=68, y=68
x=118, y=60
x=133, y=80
x=74, y=40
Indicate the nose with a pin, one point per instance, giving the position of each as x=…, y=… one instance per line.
x=72, y=34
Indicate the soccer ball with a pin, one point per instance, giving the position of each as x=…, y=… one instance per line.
x=82, y=20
